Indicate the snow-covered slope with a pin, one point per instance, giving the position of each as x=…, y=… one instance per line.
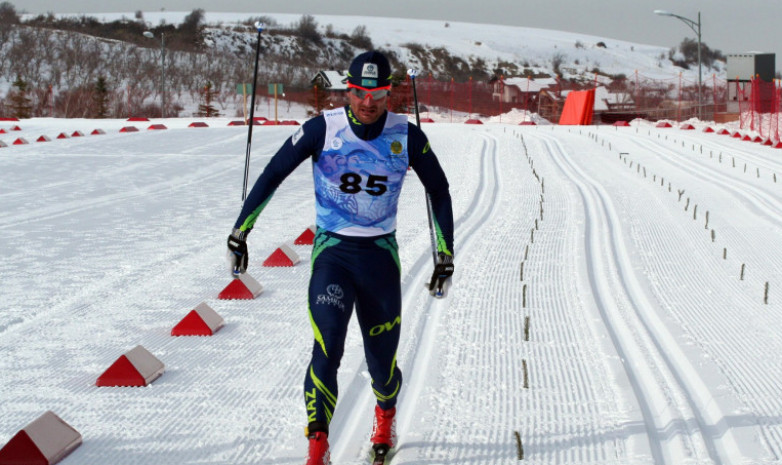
x=507, y=47
x=598, y=307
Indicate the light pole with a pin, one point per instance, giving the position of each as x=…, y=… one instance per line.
x=696, y=27
x=150, y=35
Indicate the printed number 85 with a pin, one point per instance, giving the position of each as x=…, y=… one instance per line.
x=351, y=184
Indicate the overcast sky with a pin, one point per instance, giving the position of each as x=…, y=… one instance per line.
x=732, y=26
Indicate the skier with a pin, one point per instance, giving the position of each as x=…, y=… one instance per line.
x=360, y=156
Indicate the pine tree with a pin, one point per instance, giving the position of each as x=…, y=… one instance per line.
x=101, y=98
x=21, y=105
x=206, y=109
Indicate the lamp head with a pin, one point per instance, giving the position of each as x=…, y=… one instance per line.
x=148, y=34
x=663, y=12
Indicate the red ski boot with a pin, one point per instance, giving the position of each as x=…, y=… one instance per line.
x=384, y=427
x=319, y=453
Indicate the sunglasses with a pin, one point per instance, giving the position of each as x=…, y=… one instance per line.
x=376, y=94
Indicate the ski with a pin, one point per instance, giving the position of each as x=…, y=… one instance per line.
x=380, y=454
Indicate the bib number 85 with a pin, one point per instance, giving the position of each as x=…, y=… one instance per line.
x=351, y=184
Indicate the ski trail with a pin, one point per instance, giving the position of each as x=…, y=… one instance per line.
x=680, y=414
x=767, y=204
x=349, y=431
x=163, y=187
x=483, y=208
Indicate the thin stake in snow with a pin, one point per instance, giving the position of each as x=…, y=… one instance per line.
x=765, y=294
x=519, y=447
x=526, y=375
x=526, y=328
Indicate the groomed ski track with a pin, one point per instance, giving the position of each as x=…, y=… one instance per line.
x=592, y=316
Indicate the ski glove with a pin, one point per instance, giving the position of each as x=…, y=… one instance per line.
x=237, y=252
x=441, y=278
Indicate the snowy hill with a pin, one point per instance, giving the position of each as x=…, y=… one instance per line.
x=513, y=49
x=461, y=51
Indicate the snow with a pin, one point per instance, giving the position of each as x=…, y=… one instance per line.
x=644, y=345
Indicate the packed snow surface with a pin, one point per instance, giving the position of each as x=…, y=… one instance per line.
x=617, y=298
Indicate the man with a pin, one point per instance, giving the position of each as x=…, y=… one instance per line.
x=360, y=156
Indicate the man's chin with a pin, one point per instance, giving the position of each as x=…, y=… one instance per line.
x=368, y=117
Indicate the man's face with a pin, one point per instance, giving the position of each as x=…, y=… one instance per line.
x=367, y=110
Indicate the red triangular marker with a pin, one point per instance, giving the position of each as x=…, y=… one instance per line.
x=236, y=290
x=192, y=325
x=278, y=258
x=305, y=238
x=22, y=450
x=121, y=373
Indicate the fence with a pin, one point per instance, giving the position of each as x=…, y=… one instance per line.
x=759, y=107
x=627, y=98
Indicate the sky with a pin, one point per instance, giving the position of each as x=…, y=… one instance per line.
x=727, y=25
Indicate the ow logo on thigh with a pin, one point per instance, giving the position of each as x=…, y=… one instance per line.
x=387, y=326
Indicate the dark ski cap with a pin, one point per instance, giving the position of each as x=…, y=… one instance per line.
x=370, y=70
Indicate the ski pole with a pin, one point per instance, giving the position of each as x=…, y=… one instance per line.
x=412, y=73
x=259, y=26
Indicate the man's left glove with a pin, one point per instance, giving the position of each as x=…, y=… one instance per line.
x=441, y=278
x=237, y=252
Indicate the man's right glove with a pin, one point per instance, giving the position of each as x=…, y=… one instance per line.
x=237, y=252
x=441, y=278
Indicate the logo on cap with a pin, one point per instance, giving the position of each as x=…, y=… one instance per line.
x=369, y=71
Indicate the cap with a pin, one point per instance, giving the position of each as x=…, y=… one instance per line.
x=370, y=70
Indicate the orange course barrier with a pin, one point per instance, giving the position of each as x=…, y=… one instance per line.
x=578, y=109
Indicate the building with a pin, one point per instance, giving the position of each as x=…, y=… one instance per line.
x=332, y=81
x=742, y=68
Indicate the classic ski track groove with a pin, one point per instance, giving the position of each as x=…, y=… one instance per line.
x=349, y=433
x=236, y=398
x=748, y=191
x=747, y=373
x=648, y=350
